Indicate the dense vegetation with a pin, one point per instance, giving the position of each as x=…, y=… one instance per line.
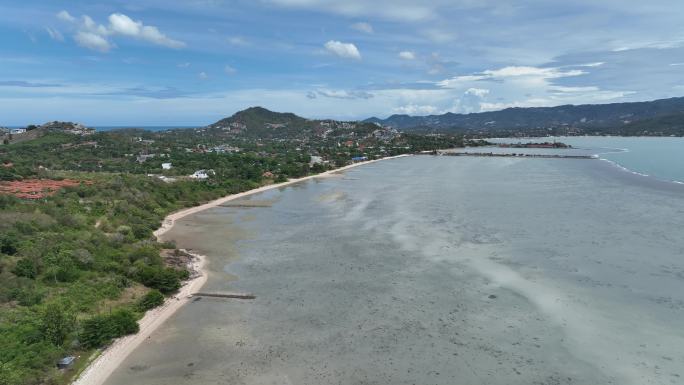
x=78, y=268
x=68, y=260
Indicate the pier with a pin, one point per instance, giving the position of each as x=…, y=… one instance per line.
x=226, y=295
x=512, y=155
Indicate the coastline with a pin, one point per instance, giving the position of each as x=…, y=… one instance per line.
x=97, y=371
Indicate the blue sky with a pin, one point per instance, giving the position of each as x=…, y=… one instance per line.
x=153, y=62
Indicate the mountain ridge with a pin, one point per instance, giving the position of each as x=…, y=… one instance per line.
x=582, y=118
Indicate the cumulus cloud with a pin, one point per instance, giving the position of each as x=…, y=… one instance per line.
x=203, y=75
x=413, y=109
x=407, y=55
x=92, y=41
x=124, y=25
x=229, y=70
x=343, y=50
x=65, y=16
x=362, y=27
x=479, y=92
x=97, y=36
x=471, y=101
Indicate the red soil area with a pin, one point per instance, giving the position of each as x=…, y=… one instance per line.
x=36, y=188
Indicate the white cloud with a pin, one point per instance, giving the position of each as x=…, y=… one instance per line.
x=413, y=109
x=65, y=16
x=596, y=64
x=403, y=10
x=92, y=41
x=229, y=70
x=518, y=71
x=344, y=50
x=519, y=74
x=341, y=94
x=124, y=25
x=96, y=36
x=479, y=92
x=407, y=55
x=203, y=75
x=54, y=34
x=183, y=65
x=362, y=27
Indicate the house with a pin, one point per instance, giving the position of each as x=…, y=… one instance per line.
x=315, y=160
x=359, y=158
x=16, y=131
x=66, y=362
x=268, y=174
x=166, y=166
x=142, y=158
x=202, y=174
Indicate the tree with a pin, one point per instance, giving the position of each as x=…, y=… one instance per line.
x=9, y=244
x=25, y=268
x=55, y=324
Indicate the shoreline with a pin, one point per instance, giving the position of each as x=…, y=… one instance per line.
x=97, y=371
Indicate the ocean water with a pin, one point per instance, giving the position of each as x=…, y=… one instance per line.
x=436, y=270
x=658, y=157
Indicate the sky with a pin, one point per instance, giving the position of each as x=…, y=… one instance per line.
x=192, y=62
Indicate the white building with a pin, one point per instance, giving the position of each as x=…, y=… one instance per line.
x=16, y=131
x=202, y=174
x=166, y=166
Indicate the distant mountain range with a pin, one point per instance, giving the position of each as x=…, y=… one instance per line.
x=659, y=117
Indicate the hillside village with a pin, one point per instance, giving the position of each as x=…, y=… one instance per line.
x=290, y=145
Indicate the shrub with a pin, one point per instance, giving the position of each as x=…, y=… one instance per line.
x=101, y=329
x=152, y=299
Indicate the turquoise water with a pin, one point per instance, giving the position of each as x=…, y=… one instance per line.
x=658, y=157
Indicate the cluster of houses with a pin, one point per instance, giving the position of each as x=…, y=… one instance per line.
x=233, y=127
x=197, y=175
x=275, y=125
x=12, y=131
x=385, y=134
x=221, y=149
x=68, y=127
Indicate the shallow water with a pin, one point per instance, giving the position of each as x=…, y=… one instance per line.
x=658, y=157
x=436, y=270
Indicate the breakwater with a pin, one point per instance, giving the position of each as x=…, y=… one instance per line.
x=511, y=155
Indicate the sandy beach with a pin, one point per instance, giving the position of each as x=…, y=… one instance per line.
x=102, y=367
